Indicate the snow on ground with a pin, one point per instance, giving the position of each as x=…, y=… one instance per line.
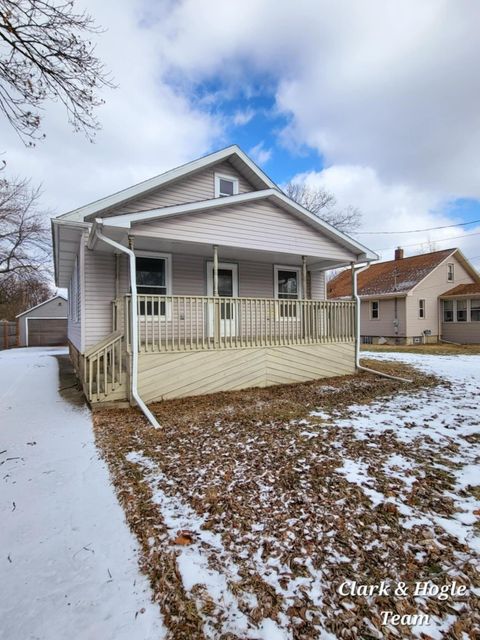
x=287, y=493
x=68, y=561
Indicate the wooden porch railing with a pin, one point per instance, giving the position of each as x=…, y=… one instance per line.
x=104, y=364
x=184, y=323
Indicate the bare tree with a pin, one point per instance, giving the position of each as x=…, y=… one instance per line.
x=20, y=294
x=24, y=235
x=323, y=204
x=45, y=54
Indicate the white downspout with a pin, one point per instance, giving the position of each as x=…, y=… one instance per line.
x=134, y=323
x=356, y=297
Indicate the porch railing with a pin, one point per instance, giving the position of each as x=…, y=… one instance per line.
x=185, y=323
x=104, y=367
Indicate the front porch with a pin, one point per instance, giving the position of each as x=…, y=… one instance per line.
x=190, y=345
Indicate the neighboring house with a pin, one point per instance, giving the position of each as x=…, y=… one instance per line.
x=461, y=314
x=45, y=324
x=401, y=298
x=228, y=275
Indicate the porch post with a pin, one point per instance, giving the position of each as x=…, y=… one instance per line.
x=215, y=271
x=304, y=276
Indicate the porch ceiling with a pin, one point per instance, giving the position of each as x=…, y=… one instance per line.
x=225, y=253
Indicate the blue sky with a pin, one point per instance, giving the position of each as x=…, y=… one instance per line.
x=376, y=102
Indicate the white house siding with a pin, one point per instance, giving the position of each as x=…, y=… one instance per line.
x=317, y=285
x=195, y=187
x=254, y=225
x=74, y=332
x=384, y=326
x=56, y=308
x=99, y=275
x=430, y=289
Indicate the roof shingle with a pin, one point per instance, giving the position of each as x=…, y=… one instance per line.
x=463, y=290
x=393, y=276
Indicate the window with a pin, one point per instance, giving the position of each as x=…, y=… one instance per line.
x=448, y=310
x=421, y=308
x=374, y=310
x=450, y=272
x=225, y=186
x=74, y=302
x=153, y=277
x=475, y=310
x=287, y=287
x=461, y=310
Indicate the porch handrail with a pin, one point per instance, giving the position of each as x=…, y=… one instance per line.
x=104, y=363
x=184, y=323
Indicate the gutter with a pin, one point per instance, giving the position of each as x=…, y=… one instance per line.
x=134, y=322
x=356, y=297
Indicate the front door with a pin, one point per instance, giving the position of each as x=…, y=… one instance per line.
x=227, y=288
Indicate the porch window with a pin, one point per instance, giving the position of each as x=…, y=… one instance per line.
x=475, y=310
x=374, y=310
x=421, y=308
x=287, y=287
x=152, y=279
x=461, y=310
x=225, y=186
x=450, y=272
x=448, y=310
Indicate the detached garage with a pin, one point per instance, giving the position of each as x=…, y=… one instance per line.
x=44, y=325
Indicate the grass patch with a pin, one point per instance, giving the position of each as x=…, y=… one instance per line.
x=440, y=349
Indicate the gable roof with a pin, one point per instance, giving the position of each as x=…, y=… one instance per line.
x=127, y=220
x=58, y=295
x=394, y=277
x=463, y=290
x=233, y=153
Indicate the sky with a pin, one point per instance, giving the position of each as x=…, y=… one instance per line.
x=376, y=101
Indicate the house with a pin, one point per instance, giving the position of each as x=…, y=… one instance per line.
x=461, y=314
x=202, y=279
x=45, y=324
x=403, y=300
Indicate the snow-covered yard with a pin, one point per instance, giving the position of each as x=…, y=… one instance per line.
x=252, y=508
x=69, y=565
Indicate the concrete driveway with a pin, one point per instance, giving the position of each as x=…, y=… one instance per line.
x=68, y=560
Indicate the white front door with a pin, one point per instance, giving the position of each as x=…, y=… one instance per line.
x=227, y=288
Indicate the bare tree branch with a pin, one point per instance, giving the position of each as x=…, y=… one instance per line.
x=45, y=54
x=323, y=204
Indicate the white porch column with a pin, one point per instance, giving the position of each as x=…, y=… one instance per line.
x=304, y=276
x=215, y=271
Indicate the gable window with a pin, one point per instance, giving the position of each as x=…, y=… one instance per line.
x=421, y=308
x=225, y=185
x=153, y=278
x=475, y=310
x=450, y=272
x=461, y=310
x=287, y=287
x=448, y=310
x=374, y=309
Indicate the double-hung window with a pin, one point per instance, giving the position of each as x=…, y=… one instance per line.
x=475, y=309
x=374, y=310
x=288, y=288
x=448, y=310
x=225, y=186
x=461, y=310
x=450, y=272
x=421, y=308
x=153, y=279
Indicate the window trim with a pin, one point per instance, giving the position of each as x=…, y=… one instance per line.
x=224, y=176
x=470, y=307
x=156, y=255
x=452, y=265
x=422, y=309
x=378, y=309
x=453, y=310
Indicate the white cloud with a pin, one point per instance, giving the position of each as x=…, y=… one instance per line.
x=147, y=127
x=242, y=117
x=394, y=207
x=259, y=154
